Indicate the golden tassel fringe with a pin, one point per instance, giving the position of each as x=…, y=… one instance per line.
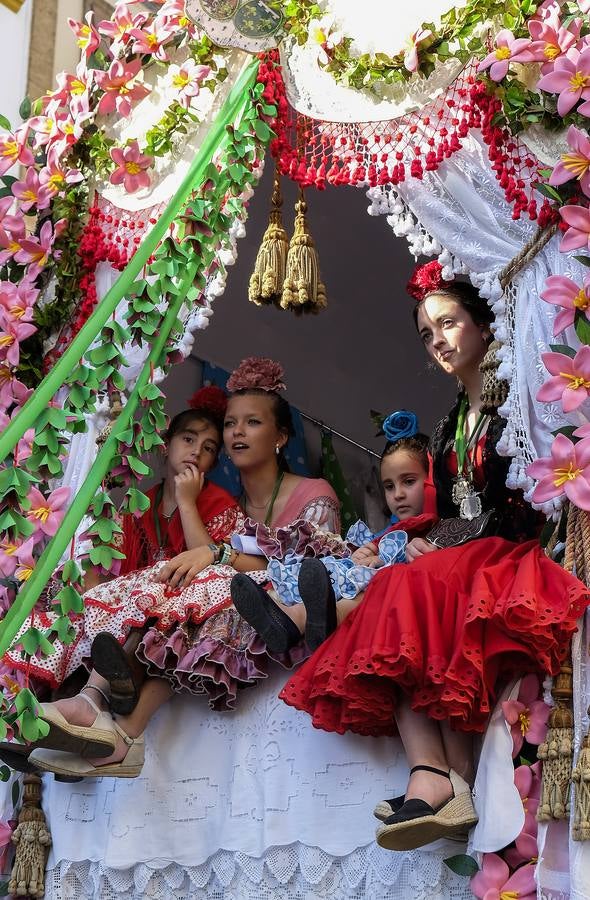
x=33, y=840
x=581, y=772
x=494, y=390
x=303, y=290
x=266, y=281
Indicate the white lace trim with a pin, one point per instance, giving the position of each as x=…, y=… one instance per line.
x=293, y=872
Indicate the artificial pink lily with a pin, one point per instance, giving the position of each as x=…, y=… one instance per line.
x=25, y=560
x=120, y=87
x=14, y=149
x=12, y=391
x=18, y=301
x=8, y=222
x=578, y=233
x=87, y=37
x=43, y=126
x=46, y=513
x=508, y=49
x=494, y=882
x=527, y=715
x=34, y=251
x=562, y=291
x=152, y=39
x=570, y=79
x=188, y=79
x=411, y=56
x=575, y=164
x=132, y=166
x=551, y=40
x=119, y=26
x=571, y=379
x=8, y=556
x=31, y=193
x=528, y=783
x=55, y=177
x=12, y=332
x=173, y=14
x=566, y=471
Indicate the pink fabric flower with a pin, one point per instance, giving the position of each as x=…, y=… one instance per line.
x=8, y=222
x=12, y=333
x=551, y=40
x=562, y=291
x=411, y=56
x=46, y=513
x=575, y=164
x=527, y=716
x=578, y=233
x=571, y=379
x=121, y=23
x=492, y=882
x=8, y=556
x=25, y=560
x=132, y=166
x=528, y=783
x=508, y=49
x=12, y=391
x=257, y=372
x=187, y=79
x=120, y=87
x=18, y=300
x=55, y=177
x=570, y=79
x=14, y=149
x=566, y=471
x=34, y=251
x=31, y=193
x=152, y=39
x=87, y=37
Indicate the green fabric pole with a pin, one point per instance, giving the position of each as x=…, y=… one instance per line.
x=49, y=559
x=52, y=553
x=27, y=416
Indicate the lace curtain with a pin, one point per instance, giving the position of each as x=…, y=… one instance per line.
x=459, y=213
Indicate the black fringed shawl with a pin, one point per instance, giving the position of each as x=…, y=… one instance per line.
x=517, y=520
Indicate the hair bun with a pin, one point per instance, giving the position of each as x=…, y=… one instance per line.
x=257, y=372
x=426, y=279
x=400, y=424
x=211, y=399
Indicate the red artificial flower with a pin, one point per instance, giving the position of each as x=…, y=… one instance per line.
x=425, y=280
x=210, y=399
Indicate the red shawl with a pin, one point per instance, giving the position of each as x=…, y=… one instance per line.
x=217, y=508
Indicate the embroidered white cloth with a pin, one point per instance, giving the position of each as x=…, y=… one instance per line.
x=229, y=802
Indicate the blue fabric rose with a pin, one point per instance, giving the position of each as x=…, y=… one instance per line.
x=400, y=424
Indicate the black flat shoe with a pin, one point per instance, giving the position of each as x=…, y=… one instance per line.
x=317, y=594
x=110, y=660
x=276, y=629
x=387, y=808
x=417, y=823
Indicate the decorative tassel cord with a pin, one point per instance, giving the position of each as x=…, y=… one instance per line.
x=32, y=840
x=266, y=281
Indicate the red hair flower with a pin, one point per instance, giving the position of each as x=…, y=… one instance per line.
x=210, y=399
x=426, y=279
x=257, y=372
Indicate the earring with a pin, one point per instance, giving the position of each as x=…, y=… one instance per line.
x=277, y=449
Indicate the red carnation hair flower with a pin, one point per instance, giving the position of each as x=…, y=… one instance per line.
x=257, y=372
x=426, y=279
x=211, y=399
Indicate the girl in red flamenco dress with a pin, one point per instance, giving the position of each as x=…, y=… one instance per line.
x=432, y=643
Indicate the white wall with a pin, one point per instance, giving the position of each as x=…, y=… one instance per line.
x=14, y=59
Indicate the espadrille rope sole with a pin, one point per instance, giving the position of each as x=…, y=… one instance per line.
x=456, y=816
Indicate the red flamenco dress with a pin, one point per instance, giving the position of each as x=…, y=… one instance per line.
x=446, y=631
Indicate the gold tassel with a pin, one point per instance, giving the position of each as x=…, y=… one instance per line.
x=494, y=390
x=557, y=749
x=266, y=281
x=581, y=772
x=581, y=779
x=303, y=290
x=33, y=840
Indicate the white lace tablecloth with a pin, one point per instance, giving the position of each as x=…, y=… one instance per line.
x=247, y=805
